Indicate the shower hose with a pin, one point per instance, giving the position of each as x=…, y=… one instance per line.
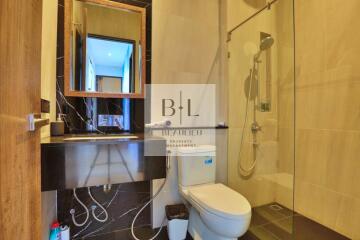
x=246, y=171
x=72, y=211
x=94, y=207
x=150, y=201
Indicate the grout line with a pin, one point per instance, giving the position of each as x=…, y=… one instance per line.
x=271, y=233
x=329, y=130
x=275, y=221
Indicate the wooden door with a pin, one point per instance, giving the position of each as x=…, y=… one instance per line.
x=20, y=60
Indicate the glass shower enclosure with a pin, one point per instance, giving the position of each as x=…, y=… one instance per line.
x=261, y=111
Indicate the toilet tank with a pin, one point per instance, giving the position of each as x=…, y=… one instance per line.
x=196, y=165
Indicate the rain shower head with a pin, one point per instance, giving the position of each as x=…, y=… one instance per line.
x=265, y=44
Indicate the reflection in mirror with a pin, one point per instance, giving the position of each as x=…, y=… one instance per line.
x=110, y=65
x=107, y=49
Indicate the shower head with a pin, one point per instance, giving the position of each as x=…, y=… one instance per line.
x=265, y=44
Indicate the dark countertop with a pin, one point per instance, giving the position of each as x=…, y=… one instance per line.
x=67, y=164
x=62, y=139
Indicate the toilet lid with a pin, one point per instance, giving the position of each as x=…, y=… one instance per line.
x=220, y=200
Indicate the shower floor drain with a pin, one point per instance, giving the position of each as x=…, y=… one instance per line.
x=275, y=207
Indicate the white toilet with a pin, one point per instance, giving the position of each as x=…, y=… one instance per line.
x=217, y=212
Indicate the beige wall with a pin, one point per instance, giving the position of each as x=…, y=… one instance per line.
x=48, y=59
x=272, y=179
x=188, y=47
x=109, y=84
x=327, y=119
x=286, y=102
x=48, y=92
x=327, y=98
x=113, y=22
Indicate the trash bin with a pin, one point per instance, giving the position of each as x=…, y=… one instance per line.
x=178, y=219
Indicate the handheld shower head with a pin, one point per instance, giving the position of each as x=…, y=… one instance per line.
x=265, y=44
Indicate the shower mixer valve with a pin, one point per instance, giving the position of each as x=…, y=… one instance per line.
x=255, y=127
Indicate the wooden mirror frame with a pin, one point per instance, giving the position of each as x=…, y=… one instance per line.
x=67, y=50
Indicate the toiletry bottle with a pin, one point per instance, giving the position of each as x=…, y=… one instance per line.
x=55, y=231
x=57, y=127
x=64, y=232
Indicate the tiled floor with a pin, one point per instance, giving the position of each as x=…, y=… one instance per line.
x=269, y=222
x=141, y=233
x=274, y=222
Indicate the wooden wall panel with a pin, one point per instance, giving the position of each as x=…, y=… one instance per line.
x=20, y=61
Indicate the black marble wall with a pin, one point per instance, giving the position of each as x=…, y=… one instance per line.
x=123, y=197
x=123, y=201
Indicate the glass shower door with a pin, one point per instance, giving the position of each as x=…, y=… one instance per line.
x=261, y=112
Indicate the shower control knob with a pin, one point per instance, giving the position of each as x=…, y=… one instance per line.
x=255, y=127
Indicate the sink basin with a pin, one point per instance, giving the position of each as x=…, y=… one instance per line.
x=82, y=138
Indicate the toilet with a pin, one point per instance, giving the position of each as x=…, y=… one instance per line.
x=216, y=211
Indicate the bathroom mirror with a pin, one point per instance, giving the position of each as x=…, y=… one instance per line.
x=104, y=49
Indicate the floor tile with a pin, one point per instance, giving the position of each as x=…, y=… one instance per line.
x=142, y=233
x=268, y=223
x=274, y=223
x=305, y=229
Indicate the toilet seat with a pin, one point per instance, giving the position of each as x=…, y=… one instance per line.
x=220, y=200
x=221, y=211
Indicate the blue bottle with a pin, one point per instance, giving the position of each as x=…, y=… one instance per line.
x=55, y=231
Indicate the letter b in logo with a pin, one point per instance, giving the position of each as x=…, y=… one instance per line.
x=168, y=104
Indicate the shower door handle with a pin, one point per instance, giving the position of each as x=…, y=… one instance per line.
x=35, y=121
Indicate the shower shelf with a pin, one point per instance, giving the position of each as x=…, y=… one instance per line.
x=202, y=127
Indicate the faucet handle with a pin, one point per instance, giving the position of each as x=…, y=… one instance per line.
x=255, y=127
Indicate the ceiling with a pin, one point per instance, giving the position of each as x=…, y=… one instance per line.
x=108, y=53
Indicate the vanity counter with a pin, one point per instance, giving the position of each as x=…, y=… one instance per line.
x=93, y=138
x=73, y=161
